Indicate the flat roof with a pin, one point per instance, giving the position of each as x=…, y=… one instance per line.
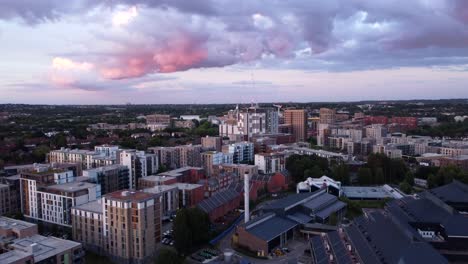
x=160, y=189
x=94, y=206
x=46, y=246
x=158, y=178
x=72, y=186
x=129, y=195
x=186, y=186
x=178, y=172
x=13, y=256
x=365, y=192
x=10, y=223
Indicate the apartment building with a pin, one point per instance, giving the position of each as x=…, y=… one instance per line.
x=124, y=225
x=242, y=152
x=111, y=178
x=20, y=243
x=327, y=116
x=5, y=202
x=297, y=118
x=43, y=199
x=268, y=163
x=140, y=165
x=10, y=195
x=211, y=158
x=190, y=194
x=169, y=199
x=179, y=156
x=156, y=180
x=211, y=143
x=102, y=156
x=237, y=169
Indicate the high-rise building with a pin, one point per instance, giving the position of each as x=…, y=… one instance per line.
x=44, y=200
x=211, y=158
x=179, y=156
x=111, y=178
x=298, y=120
x=140, y=164
x=327, y=116
x=211, y=143
x=125, y=225
x=242, y=152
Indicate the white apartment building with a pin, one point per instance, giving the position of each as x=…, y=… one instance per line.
x=243, y=152
x=268, y=163
x=140, y=164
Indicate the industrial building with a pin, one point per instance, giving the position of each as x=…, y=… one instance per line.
x=425, y=228
x=278, y=221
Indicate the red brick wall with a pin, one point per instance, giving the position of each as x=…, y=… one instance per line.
x=250, y=241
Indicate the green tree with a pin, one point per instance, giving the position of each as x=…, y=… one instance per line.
x=182, y=232
x=40, y=152
x=191, y=229
x=379, y=177
x=405, y=187
x=432, y=181
x=340, y=173
x=59, y=141
x=365, y=176
x=168, y=256
x=409, y=178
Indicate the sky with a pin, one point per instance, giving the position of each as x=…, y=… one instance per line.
x=231, y=51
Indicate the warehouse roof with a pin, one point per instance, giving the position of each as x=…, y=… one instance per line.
x=218, y=200
x=271, y=227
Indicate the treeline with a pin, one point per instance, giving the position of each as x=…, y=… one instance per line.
x=302, y=167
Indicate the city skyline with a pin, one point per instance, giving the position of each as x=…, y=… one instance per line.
x=103, y=52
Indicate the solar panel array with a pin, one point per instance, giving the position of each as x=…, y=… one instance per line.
x=339, y=250
x=218, y=200
x=318, y=250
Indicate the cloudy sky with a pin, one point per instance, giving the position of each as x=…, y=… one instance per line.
x=228, y=51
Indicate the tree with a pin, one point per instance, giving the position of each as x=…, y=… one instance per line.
x=182, y=232
x=59, y=140
x=314, y=172
x=365, y=176
x=409, y=178
x=191, y=229
x=405, y=187
x=168, y=256
x=341, y=173
x=379, y=177
x=40, y=152
x=432, y=181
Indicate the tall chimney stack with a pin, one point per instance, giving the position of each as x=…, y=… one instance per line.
x=246, y=197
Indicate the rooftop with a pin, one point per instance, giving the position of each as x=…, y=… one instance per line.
x=270, y=226
x=186, y=186
x=129, y=196
x=375, y=192
x=391, y=244
x=160, y=189
x=94, y=206
x=72, y=186
x=10, y=223
x=13, y=256
x=454, y=192
x=158, y=178
x=46, y=246
x=293, y=200
x=218, y=200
